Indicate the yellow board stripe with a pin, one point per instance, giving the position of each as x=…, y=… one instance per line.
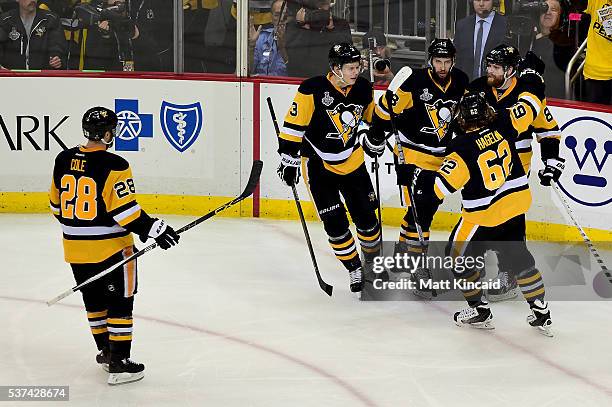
x=38, y=202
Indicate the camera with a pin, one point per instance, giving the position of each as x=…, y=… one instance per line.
x=380, y=64
x=530, y=7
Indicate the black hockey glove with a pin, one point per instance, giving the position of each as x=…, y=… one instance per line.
x=552, y=171
x=532, y=61
x=405, y=173
x=289, y=169
x=372, y=147
x=163, y=234
x=530, y=71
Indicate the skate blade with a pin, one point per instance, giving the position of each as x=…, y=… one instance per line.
x=488, y=325
x=502, y=297
x=544, y=330
x=104, y=367
x=115, y=379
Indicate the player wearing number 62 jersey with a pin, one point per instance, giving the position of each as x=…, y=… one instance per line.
x=93, y=197
x=483, y=163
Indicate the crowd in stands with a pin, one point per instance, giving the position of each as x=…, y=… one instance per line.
x=292, y=37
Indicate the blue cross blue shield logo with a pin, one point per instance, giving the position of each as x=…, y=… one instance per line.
x=132, y=125
x=181, y=124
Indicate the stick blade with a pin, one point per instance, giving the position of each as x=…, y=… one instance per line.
x=328, y=289
x=253, y=179
x=60, y=297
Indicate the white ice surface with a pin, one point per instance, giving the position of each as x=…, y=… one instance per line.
x=233, y=317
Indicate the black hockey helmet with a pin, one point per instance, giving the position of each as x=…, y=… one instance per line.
x=474, y=112
x=97, y=121
x=442, y=48
x=343, y=53
x=504, y=55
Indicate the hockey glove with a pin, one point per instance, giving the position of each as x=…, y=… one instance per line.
x=405, y=173
x=163, y=234
x=371, y=147
x=533, y=62
x=552, y=171
x=289, y=169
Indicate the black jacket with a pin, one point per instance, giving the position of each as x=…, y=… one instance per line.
x=464, y=40
x=47, y=40
x=308, y=50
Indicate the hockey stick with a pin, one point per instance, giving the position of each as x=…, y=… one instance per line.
x=248, y=190
x=592, y=249
x=324, y=286
x=401, y=161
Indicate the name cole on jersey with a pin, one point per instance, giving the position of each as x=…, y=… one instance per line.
x=424, y=110
x=93, y=196
x=326, y=118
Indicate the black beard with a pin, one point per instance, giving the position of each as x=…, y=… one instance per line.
x=440, y=80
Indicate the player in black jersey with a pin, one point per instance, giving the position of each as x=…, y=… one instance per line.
x=483, y=163
x=423, y=106
x=93, y=197
x=321, y=128
x=503, y=86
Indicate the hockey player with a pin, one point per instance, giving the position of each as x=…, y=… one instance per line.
x=423, y=105
x=320, y=127
x=502, y=88
x=483, y=163
x=93, y=197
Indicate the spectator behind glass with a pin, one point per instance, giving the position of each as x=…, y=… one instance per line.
x=270, y=56
x=381, y=58
x=471, y=32
x=311, y=35
x=555, y=55
x=153, y=49
x=31, y=38
x=108, y=45
x=597, y=68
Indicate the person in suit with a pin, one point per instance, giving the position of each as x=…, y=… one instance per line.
x=476, y=35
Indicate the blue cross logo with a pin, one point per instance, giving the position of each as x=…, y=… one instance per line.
x=132, y=125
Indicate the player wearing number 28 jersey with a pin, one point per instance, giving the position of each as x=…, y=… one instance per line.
x=93, y=197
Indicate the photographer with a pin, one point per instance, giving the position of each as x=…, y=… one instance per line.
x=30, y=38
x=310, y=36
x=554, y=48
x=380, y=57
x=107, y=36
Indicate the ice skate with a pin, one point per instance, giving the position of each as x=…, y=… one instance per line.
x=124, y=371
x=479, y=316
x=540, y=317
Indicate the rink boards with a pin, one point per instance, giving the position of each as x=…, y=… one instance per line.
x=191, y=143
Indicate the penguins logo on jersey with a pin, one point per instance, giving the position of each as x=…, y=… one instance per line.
x=345, y=119
x=440, y=115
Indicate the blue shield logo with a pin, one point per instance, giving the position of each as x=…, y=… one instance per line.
x=181, y=124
